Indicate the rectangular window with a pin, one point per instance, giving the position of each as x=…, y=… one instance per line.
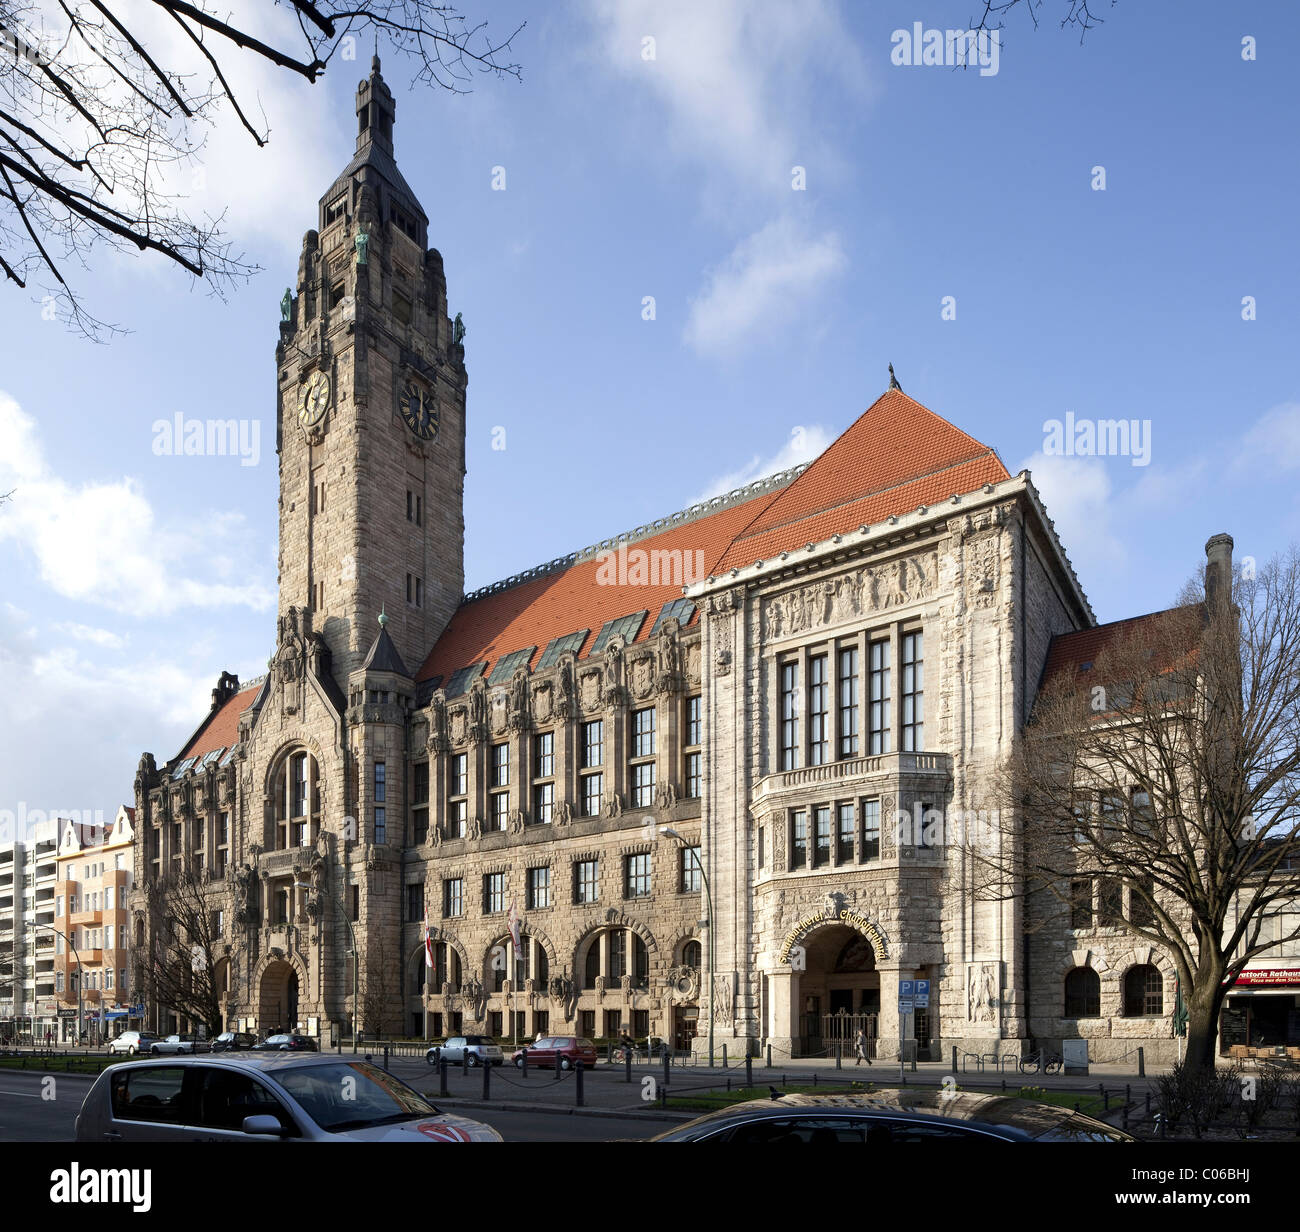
x=643, y=729
x=848, y=680
x=494, y=893
x=410, y=505
x=593, y=744
x=356, y=903
x=689, y=869
x=799, y=839
x=1081, y=903
x=871, y=829
x=543, y=803
x=878, y=687
x=694, y=725
x=381, y=824
x=637, y=879
x=693, y=779
x=544, y=755
x=500, y=810
x=381, y=790
x=420, y=801
x=539, y=888
x=500, y=765
x=458, y=779
x=845, y=821
x=790, y=716
x=586, y=882
x=592, y=787
x=453, y=896
x=818, y=711
x=913, y=693
x=1110, y=902
x=643, y=784
x=298, y=799
x=457, y=813
x=415, y=902
x=822, y=834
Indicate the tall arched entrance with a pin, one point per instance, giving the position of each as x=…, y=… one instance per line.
x=277, y=1002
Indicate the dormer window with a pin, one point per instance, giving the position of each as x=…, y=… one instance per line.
x=336, y=209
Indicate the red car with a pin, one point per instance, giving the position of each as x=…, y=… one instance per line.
x=562, y=1050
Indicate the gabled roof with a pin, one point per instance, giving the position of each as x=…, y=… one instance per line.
x=1078, y=652
x=896, y=456
x=222, y=728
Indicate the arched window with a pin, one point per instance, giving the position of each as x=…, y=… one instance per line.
x=446, y=966
x=297, y=801
x=692, y=955
x=1144, y=992
x=592, y=968
x=1083, y=993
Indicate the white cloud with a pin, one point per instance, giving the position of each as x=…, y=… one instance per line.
x=1272, y=442
x=805, y=443
x=736, y=79
x=760, y=285
x=104, y=638
x=1080, y=500
x=100, y=542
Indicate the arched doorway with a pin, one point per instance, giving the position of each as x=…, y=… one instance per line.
x=277, y=1004
x=826, y=991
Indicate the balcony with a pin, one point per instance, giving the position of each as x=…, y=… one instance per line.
x=927, y=770
x=84, y=917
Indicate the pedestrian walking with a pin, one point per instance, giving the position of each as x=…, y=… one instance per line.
x=861, y=1047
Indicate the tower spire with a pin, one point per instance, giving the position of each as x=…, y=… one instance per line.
x=375, y=110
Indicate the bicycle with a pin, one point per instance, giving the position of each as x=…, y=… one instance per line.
x=1046, y=1062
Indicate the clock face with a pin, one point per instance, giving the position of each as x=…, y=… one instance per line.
x=420, y=412
x=314, y=400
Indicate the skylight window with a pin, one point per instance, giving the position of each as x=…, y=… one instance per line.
x=462, y=678
x=183, y=767
x=680, y=610
x=625, y=627
x=570, y=643
x=507, y=665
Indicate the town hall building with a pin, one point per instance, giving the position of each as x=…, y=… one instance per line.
x=671, y=761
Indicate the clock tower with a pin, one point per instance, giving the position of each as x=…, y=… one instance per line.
x=371, y=421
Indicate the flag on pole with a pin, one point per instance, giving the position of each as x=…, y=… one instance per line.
x=512, y=921
x=428, y=941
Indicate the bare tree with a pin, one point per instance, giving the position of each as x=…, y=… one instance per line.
x=1165, y=775
x=1079, y=14
x=182, y=968
x=95, y=126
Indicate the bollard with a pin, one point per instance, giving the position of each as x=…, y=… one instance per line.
x=1142, y=1062
x=663, y=1097
x=954, y=1058
x=814, y=1077
x=749, y=1070
x=724, y=1056
x=1105, y=1099
x=523, y=1062
x=665, y=1068
x=487, y=1080
x=728, y=1082
x=464, y=1062
x=1004, y=1084
x=769, y=1056
x=385, y=1058
x=839, y=1055
x=557, y=1069
x=627, y=1065
x=442, y=1075
x=577, y=1069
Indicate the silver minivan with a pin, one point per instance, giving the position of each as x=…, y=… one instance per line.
x=264, y=1097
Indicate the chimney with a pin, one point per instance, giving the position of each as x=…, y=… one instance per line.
x=1218, y=566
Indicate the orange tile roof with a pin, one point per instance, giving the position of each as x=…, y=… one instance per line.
x=222, y=729
x=537, y=611
x=1079, y=650
x=896, y=456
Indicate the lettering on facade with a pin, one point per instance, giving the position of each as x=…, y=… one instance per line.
x=827, y=915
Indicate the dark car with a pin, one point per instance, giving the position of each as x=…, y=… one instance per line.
x=287, y=1042
x=562, y=1050
x=881, y=1117
x=234, y=1041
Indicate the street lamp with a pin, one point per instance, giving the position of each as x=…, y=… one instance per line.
x=352, y=936
x=32, y=927
x=669, y=832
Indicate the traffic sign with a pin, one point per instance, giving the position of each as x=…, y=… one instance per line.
x=906, y=987
x=904, y=1005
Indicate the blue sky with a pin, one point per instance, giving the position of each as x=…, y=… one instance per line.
x=132, y=580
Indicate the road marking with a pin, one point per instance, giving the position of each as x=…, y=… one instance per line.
x=23, y=1094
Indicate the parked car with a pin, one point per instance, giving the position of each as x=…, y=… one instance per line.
x=263, y=1097
x=132, y=1042
x=562, y=1050
x=234, y=1041
x=175, y=1044
x=471, y=1050
x=287, y=1041
x=893, y=1115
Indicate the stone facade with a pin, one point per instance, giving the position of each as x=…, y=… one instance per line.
x=351, y=794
